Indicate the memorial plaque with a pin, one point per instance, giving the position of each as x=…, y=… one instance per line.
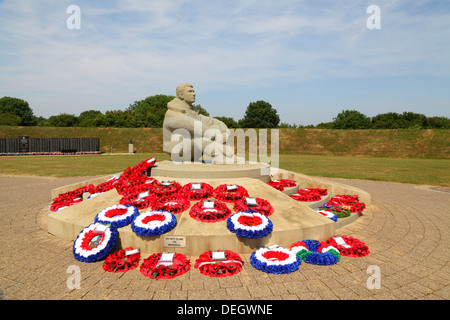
x=24, y=144
x=175, y=241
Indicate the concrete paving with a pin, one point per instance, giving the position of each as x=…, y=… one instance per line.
x=406, y=228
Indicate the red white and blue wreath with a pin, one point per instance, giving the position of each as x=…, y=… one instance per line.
x=153, y=223
x=327, y=214
x=250, y=224
x=118, y=216
x=275, y=260
x=315, y=252
x=94, y=242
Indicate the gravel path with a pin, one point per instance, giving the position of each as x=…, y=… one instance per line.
x=406, y=229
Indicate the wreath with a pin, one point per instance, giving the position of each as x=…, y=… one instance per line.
x=327, y=214
x=153, y=223
x=117, y=216
x=280, y=184
x=174, y=204
x=128, y=182
x=219, y=264
x=340, y=211
x=209, y=211
x=315, y=252
x=196, y=191
x=94, y=242
x=69, y=198
x=61, y=203
x=350, y=201
x=143, y=166
x=122, y=260
x=256, y=204
x=275, y=260
x=229, y=193
x=164, y=188
x=306, y=195
x=105, y=186
x=140, y=200
x=155, y=268
x=349, y=246
x=250, y=224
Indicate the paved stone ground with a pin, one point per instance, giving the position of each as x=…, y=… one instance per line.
x=406, y=229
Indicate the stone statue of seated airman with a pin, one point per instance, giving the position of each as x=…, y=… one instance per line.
x=189, y=136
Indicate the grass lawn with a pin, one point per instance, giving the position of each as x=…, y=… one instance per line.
x=417, y=171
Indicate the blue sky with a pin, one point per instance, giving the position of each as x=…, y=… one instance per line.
x=309, y=59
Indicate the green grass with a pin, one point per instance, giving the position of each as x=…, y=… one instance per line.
x=417, y=171
x=72, y=166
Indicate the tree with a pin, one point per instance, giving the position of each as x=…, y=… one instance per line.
x=17, y=107
x=439, y=123
x=325, y=125
x=390, y=120
x=351, y=119
x=62, y=120
x=10, y=119
x=229, y=122
x=87, y=118
x=151, y=110
x=118, y=119
x=286, y=125
x=414, y=120
x=260, y=114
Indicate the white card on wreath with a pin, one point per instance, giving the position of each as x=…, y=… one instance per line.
x=208, y=204
x=341, y=242
x=144, y=195
x=196, y=186
x=101, y=228
x=218, y=255
x=251, y=202
x=166, y=183
x=247, y=214
x=166, y=259
x=130, y=252
x=231, y=187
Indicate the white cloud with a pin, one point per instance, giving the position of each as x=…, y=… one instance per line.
x=127, y=50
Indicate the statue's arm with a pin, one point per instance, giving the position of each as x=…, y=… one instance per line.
x=176, y=120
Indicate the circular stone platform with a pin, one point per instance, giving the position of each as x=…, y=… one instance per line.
x=292, y=220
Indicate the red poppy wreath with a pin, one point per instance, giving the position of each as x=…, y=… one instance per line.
x=196, y=191
x=280, y=184
x=122, y=260
x=256, y=204
x=165, y=266
x=209, y=211
x=349, y=246
x=174, y=204
x=164, y=188
x=229, y=193
x=219, y=263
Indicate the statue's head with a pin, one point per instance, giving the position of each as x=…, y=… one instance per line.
x=186, y=92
